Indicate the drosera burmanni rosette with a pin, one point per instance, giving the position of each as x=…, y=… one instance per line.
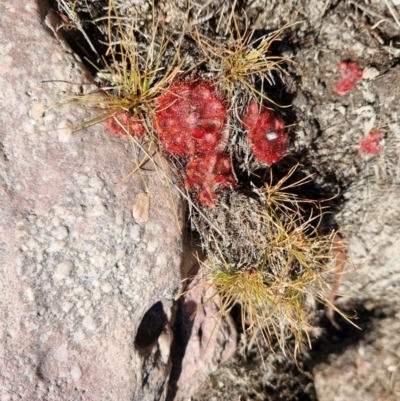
x=190, y=118
x=371, y=144
x=266, y=133
x=206, y=174
x=350, y=72
x=123, y=123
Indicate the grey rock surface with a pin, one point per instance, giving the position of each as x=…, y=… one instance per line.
x=369, y=368
x=89, y=265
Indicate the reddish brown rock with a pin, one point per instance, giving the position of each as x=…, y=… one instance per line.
x=204, y=340
x=86, y=290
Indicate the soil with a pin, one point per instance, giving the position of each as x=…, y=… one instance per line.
x=325, y=132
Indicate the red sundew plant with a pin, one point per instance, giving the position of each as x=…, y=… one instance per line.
x=190, y=118
x=266, y=133
x=207, y=173
x=371, y=144
x=351, y=73
x=123, y=122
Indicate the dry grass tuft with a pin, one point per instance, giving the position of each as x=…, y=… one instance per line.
x=243, y=63
x=134, y=73
x=281, y=272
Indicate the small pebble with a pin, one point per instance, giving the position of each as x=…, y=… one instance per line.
x=135, y=233
x=140, y=208
x=106, y=287
x=120, y=254
x=63, y=270
x=60, y=233
x=56, y=246
x=89, y=323
x=370, y=73
x=76, y=373
x=29, y=295
x=67, y=306
x=96, y=294
x=152, y=246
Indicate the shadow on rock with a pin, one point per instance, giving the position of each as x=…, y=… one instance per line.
x=335, y=341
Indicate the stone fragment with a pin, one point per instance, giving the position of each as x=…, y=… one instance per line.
x=140, y=208
x=204, y=340
x=63, y=270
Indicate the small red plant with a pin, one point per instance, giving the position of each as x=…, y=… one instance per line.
x=207, y=173
x=371, y=144
x=266, y=133
x=190, y=117
x=351, y=73
x=126, y=123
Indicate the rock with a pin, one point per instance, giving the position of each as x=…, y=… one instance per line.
x=364, y=363
x=76, y=278
x=204, y=340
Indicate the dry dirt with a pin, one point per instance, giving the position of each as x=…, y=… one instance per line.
x=326, y=129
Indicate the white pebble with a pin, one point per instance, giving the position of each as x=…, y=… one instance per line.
x=152, y=246
x=60, y=233
x=120, y=254
x=29, y=295
x=76, y=373
x=89, y=323
x=96, y=294
x=56, y=246
x=62, y=353
x=370, y=73
x=161, y=261
x=96, y=182
x=98, y=210
x=67, y=306
x=135, y=233
x=63, y=270
x=79, y=336
x=56, y=221
x=106, y=287
x=31, y=244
